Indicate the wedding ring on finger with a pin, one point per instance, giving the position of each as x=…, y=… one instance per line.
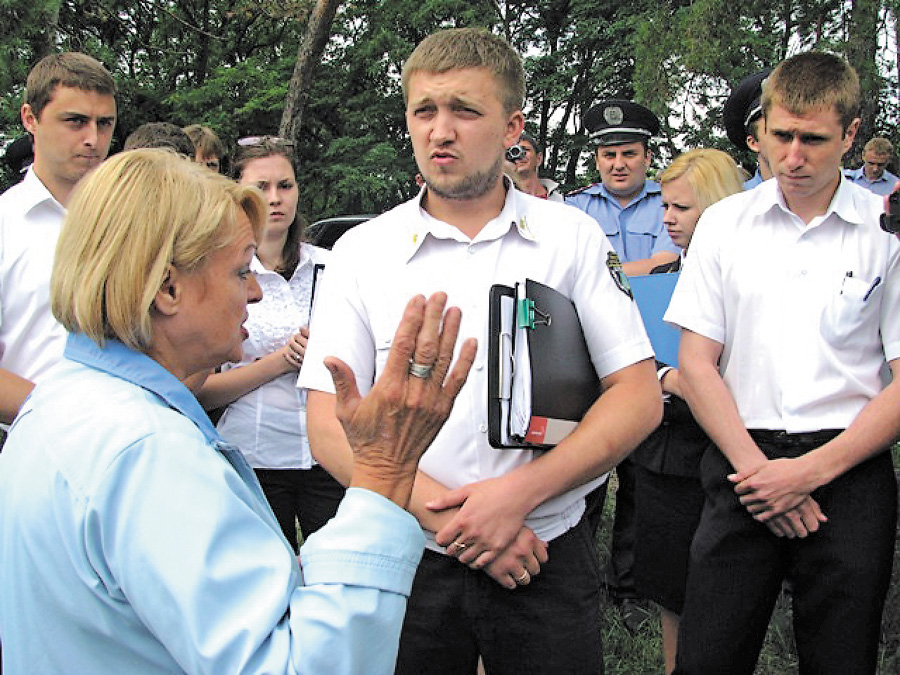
x=419, y=370
x=524, y=579
x=459, y=547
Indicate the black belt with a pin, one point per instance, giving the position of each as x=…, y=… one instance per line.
x=784, y=438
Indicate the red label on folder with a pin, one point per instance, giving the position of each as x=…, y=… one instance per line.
x=537, y=430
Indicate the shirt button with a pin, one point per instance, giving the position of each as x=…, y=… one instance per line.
x=803, y=273
x=479, y=366
x=482, y=427
x=471, y=250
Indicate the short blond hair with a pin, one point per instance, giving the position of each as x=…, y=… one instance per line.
x=458, y=48
x=129, y=220
x=813, y=80
x=712, y=175
x=880, y=146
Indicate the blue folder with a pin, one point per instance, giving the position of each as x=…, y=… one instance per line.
x=652, y=293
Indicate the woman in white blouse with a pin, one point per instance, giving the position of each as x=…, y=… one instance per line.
x=266, y=412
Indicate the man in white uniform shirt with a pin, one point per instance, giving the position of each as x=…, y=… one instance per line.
x=491, y=517
x=70, y=110
x=788, y=307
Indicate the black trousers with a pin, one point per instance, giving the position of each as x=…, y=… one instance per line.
x=308, y=496
x=552, y=625
x=840, y=574
x=619, y=577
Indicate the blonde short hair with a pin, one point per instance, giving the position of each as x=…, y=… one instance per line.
x=712, y=175
x=128, y=221
x=459, y=48
x=813, y=80
x=879, y=146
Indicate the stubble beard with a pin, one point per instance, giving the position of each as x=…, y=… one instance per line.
x=468, y=187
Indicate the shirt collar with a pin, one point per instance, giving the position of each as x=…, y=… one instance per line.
x=513, y=214
x=649, y=187
x=119, y=360
x=34, y=193
x=257, y=267
x=843, y=204
x=861, y=174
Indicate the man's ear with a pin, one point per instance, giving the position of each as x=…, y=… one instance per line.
x=29, y=119
x=168, y=297
x=850, y=133
x=752, y=143
x=515, y=125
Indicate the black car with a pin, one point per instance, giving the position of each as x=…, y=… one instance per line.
x=325, y=232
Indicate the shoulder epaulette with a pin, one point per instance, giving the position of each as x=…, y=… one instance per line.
x=578, y=191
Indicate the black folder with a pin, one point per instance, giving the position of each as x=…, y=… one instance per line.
x=563, y=384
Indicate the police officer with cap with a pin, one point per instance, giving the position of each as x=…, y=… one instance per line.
x=626, y=204
x=629, y=209
x=742, y=115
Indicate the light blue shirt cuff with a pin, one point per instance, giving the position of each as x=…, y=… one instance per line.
x=371, y=542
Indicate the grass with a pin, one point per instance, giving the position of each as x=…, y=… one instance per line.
x=642, y=654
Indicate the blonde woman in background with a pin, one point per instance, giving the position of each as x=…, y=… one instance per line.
x=669, y=495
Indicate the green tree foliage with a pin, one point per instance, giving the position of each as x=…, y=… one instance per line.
x=228, y=64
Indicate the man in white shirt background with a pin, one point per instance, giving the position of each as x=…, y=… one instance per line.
x=70, y=111
x=789, y=310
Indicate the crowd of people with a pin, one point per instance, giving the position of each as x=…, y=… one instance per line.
x=194, y=391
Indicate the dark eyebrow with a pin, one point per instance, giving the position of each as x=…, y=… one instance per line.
x=460, y=102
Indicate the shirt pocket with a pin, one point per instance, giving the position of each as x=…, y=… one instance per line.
x=851, y=316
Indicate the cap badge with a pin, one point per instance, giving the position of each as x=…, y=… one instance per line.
x=613, y=115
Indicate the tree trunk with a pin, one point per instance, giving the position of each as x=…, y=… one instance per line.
x=308, y=55
x=861, y=50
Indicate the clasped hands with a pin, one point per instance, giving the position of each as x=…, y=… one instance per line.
x=487, y=532
x=777, y=492
x=391, y=427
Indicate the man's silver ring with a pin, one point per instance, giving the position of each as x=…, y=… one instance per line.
x=522, y=579
x=418, y=370
x=460, y=546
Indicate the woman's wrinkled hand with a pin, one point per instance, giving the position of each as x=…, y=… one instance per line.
x=391, y=427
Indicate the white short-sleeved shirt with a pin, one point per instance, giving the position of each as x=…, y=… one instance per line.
x=31, y=340
x=806, y=314
x=378, y=266
x=269, y=423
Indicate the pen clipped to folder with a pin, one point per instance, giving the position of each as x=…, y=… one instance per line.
x=541, y=379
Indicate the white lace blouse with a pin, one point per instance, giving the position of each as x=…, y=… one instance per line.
x=269, y=423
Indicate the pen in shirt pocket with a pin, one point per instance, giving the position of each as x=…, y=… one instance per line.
x=848, y=275
x=872, y=288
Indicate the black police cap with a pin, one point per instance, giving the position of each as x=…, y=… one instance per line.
x=617, y=121
x=743, y=107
